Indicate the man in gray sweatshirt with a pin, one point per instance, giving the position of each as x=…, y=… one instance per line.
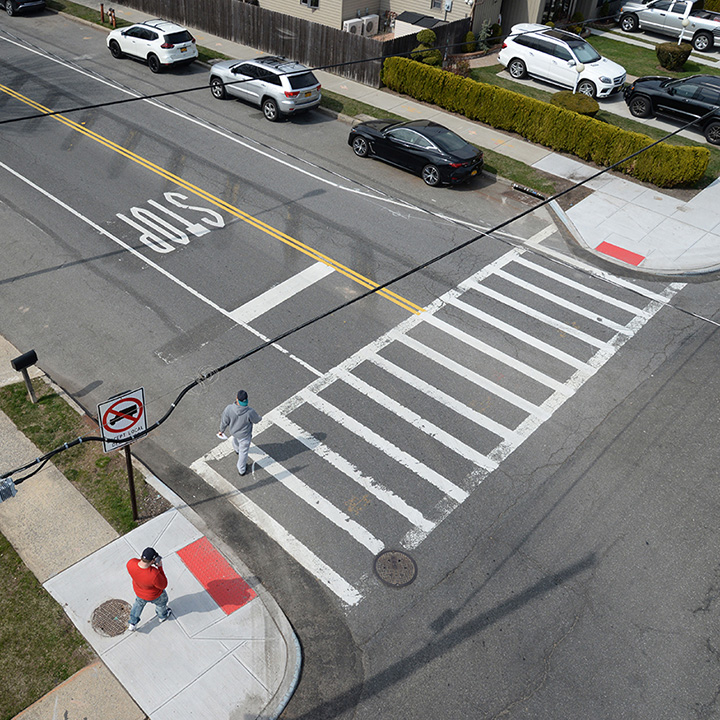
x=239, y=419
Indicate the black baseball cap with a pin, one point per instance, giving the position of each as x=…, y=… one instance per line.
x=149, y=554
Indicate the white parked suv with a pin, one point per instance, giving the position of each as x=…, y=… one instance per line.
x=160, y=43
x=561, y=58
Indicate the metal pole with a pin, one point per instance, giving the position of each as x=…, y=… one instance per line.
x=131, y=481
x=28, y=385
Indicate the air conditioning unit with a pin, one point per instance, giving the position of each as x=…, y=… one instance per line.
x=354, y=26
x=371, y=25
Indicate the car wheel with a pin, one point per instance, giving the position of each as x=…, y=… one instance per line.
x=360, y=147
x=217, y=88
x=431, y=175
x=115, y=50
x=640, y=106
x=9, y=8
x=629, y=23
x=270, y=110
x=712, y=133
x=587, y=88
x=154, y=63
x=702, y=42
x=517, y=69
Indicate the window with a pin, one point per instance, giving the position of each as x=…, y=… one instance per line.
x=707, y=95
x=563, y=53
x=310, y=3
x=302, y=81
x=436, y=4
x=402, y=135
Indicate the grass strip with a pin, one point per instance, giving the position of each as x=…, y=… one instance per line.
x=39, y=646
x=100, y=477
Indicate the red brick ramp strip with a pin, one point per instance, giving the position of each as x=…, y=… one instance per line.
x=619, y=253
x=216, y=575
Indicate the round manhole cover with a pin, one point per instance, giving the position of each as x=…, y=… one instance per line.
x=111, y=618
x=395, y=568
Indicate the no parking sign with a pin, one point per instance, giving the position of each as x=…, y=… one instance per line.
x=122, y=416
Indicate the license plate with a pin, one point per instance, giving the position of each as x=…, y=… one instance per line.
x=183, y=49
x=308, y=94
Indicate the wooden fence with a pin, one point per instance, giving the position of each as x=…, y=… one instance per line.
x=318, y=46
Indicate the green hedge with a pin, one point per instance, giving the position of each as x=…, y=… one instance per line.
x=545, y=124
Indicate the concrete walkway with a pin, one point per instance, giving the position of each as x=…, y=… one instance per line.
x=227, y=652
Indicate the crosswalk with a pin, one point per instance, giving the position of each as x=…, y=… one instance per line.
x=381, y=449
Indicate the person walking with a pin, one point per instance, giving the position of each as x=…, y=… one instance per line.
x=149, y=583
x=239, y=419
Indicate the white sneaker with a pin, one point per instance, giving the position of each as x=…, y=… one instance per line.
x=132, y=627
x=169, y=613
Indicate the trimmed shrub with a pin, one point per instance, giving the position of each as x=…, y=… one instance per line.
x=426, y=37
x=577, y=102
x=470, y=44
x=672, y=56
x=549, y=125
x=495, y=34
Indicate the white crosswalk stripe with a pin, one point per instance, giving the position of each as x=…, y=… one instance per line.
x=471, y=378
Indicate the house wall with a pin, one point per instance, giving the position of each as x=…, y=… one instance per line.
x=328, y=12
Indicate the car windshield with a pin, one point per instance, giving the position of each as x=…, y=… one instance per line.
x=302, y=80
x=179, y=37
x=445, y=139
x=585, y=52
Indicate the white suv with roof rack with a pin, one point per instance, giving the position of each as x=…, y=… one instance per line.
x=279, y=86
x=561, y=58
x=160, y=43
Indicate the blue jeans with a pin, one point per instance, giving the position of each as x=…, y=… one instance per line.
x=160, y=603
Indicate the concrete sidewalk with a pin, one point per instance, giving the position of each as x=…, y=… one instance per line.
x=624, y=222
x=227, y=652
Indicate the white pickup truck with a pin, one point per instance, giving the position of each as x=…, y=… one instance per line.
x=673, y=17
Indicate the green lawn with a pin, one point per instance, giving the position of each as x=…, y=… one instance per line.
x=39, y=646
x=639, y=61
x=100, y=477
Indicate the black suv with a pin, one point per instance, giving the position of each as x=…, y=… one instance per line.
x=685, y=99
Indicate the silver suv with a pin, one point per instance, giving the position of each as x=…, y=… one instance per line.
x=277, y=85
x=160, y=43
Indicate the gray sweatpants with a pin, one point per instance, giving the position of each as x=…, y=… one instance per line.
x=241, y=447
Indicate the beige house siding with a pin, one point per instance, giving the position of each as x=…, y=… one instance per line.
x=328, y=12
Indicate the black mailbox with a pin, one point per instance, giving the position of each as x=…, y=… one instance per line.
x=24, y=361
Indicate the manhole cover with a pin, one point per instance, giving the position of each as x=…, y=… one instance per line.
x=395, y=568
x=111, y=618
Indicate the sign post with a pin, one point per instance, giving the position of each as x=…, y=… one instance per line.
x=120, y=417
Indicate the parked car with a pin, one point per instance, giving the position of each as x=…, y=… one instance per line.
x=684, y=99
x=561, y=58
x=160, y=43
x=666, y=17
x=277, y=85
x=424, y=147
x=12, y=7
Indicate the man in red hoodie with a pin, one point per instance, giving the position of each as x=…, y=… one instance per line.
x=149, y=583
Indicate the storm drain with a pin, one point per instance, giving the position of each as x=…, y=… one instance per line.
x=395, y=568
x=111, y=618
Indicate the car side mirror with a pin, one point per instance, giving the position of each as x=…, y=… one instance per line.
x=571, y=63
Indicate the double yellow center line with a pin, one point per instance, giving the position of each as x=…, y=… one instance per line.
x=217, y=202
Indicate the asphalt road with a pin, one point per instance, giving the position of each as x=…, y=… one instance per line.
x=535, y=439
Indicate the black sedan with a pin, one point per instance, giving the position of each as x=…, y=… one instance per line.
x=690, y=98
x=424, y=147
